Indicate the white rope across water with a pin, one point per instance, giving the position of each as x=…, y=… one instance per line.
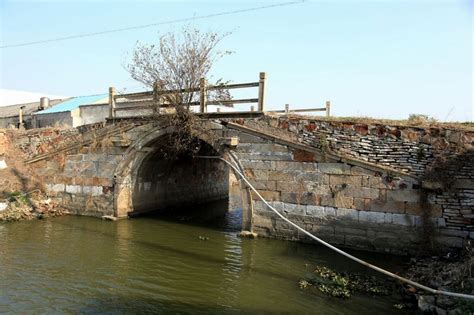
x=360, y=261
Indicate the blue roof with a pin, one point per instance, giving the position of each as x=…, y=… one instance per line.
x=75, y=102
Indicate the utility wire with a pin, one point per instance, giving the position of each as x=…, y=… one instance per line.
x=199, y=17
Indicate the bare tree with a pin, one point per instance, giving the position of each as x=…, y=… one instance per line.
x=177, y=63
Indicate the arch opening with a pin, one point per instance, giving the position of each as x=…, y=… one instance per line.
x=183, y=186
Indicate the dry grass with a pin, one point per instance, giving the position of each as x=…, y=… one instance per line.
x=420, y=121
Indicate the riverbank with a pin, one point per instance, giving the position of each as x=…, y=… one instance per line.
x=452, y=272
x=27, y=206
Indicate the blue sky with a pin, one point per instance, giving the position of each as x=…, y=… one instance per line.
x=384, y=59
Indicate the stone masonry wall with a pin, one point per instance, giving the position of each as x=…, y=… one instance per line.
x=343, y=204
x=405, y=148
x=83, y=182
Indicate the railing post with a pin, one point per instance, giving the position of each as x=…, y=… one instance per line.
x=21, y=124
x=261, y=91
x=287, y=109
x=112, y=93
x=328, y=108
x=203, y=96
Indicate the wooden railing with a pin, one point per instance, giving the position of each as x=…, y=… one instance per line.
x=287, y=109
x=145, y=103
x=148, y=100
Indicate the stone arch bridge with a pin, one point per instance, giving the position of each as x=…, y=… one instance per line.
x=343, y=199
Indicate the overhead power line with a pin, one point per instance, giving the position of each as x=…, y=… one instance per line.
x=199, y=17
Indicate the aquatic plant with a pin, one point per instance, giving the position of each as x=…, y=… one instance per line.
x=342, y=285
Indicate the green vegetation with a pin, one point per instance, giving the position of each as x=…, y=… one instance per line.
x=342, y=285
x=18, y=196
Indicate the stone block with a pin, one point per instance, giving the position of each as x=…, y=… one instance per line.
x=296, y=166
x=371, y=217
x=258, y=165
x=264, y=184
x=341, y=201
x=290, y=186
x=409, y=195
x=325, y=230
x=334, y=168
x=325, y=200
x=357, y=170
x=294, y=209
x=268, y=195
x=259, y=206
x=262, y=222
x=269, y=156
x=315, y=177
x=283, y=175
x=95, y=157
x=417, y=208
x=348, y=214
x=330, y=211
x=315, y=211
x=359, y=192
x=377, y=182
x=387, y=206
x=74, y=157
x=92, y=190
x=352, y=180
x=255, y=174
x=403, y=219
x=317, y=188
x=343, y=230
x=74, y=189
x=359, y=204
x=278, y=205
x=299, y=198
x=246, y=138
x=388, y=218
x=304, y=156
x=264, y=147
x=56, y=187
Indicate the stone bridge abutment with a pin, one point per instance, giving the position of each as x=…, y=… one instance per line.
x=346, y=200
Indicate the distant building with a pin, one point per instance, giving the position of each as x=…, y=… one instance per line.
x=10, y=115
x=74, y=112
x=11, y=101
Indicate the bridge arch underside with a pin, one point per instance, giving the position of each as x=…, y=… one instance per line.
x=163, y=181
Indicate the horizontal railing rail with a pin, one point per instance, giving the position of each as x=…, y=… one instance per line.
x=149, y=102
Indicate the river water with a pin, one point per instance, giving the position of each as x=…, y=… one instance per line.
x=171, y=264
